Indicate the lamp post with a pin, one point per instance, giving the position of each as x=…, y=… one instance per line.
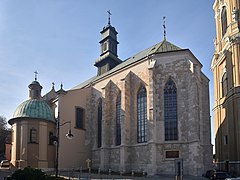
x=69, y=135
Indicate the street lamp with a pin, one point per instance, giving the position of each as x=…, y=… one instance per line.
x=69, y=135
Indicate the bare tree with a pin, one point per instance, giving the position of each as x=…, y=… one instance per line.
x=4, y=132
x=3, y=122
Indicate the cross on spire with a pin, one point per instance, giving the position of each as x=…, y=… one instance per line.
x=109, y=14
x=164, y=27
x=36, y=73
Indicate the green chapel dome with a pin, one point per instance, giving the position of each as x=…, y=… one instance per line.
x=34, y=108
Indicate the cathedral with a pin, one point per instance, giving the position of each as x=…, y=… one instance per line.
x=141, y=114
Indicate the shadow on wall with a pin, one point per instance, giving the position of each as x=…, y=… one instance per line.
x=119, y=104
x=227, y=150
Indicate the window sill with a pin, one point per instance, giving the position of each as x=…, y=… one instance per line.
x=80, y=128
x=32, y=143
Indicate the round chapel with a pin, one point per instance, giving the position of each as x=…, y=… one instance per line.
x=33, y=126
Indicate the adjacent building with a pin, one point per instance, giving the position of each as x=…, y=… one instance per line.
x=226, y=69
x=33, y=125
x=139, y=114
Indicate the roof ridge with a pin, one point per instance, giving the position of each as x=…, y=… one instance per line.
x=155, y=49
x=165, y=46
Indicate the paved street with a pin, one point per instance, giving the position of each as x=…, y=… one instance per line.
x=4, y=172
x=84, y=176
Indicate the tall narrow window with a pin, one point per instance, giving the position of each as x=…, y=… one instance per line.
x=142, y=115
x=79, y=117
x=118, y=119
x=225, y=140
x=33, y=135
x=170, y=111
x=50, y=138
x=224, y=20
x=224, y=84
x=99, y=139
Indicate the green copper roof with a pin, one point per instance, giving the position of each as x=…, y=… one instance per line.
x=163, y=46
x=35, y=82
x=34, y=108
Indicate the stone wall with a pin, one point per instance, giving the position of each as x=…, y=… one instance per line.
x=193, y=115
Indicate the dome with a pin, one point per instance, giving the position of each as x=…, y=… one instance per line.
x=35, y=82
x=34, y=108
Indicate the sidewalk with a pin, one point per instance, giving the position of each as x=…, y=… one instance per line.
x=86, y=176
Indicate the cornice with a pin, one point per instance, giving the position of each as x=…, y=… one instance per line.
x=231, y=40
x=215, y=4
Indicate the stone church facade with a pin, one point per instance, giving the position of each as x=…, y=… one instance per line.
x=143, y=113
x=139, y=114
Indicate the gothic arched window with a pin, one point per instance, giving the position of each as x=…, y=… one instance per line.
x=142, y=115
x=170, y=111
x=118, y=119
x=224, y=84
x=224, y=20
x=99, y=137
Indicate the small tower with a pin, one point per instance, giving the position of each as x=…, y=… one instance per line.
x=35, y=89
x=108, y=58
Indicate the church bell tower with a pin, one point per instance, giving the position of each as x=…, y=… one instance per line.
x=108, y=58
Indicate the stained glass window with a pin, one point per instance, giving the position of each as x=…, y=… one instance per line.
x=170, y=111
x=142, y=115
x=100, y=123
x=118, y=120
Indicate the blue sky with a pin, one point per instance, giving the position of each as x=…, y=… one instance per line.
x=59, y=38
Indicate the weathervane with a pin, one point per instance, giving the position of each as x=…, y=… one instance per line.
x=109, y=14
x=36, y=73
x=164, y=27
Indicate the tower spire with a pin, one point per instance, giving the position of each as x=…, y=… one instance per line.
x=35, y=88
x=164, y=27
x=109, y=17
x=108, y=58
